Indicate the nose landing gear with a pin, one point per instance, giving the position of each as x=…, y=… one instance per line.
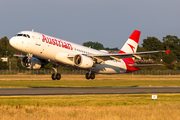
x=28, y=60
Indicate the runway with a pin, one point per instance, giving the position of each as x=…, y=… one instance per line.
x=86, y=90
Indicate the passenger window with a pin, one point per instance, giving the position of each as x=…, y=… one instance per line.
x=24, y=35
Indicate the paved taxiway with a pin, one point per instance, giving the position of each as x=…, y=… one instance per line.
x=86, y=90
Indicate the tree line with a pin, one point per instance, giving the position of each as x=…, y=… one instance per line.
x=171, y=61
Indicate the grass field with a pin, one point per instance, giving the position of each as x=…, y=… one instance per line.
x=90, y=107
x=100, y=81
x=80, y=107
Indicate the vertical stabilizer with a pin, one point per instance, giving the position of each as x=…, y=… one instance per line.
x=131, y=44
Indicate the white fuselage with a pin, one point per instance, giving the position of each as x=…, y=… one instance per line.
x=55, y=50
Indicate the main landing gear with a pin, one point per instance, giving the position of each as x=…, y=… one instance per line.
x=90, y=75
x=55, y=76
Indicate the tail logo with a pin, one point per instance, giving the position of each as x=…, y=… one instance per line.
x=132, y=47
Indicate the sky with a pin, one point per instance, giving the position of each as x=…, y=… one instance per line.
x=109, y=22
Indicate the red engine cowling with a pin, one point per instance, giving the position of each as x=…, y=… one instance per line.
x=83, y=61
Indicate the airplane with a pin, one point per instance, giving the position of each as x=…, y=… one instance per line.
x=42, y=49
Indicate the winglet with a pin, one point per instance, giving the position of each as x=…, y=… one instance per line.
x=167, y=52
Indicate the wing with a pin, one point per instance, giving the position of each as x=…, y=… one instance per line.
x=104, y=57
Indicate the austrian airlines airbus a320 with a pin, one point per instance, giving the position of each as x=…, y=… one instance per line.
x=42, y=49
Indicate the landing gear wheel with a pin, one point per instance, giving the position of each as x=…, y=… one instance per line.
x=92, y=75
x=58, y=76
x=87, y=76
x=27, y=63
x=53, y=76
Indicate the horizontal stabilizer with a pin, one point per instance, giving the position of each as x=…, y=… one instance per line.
x=146, y=65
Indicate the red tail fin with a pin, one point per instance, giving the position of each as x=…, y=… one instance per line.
x=131, y=44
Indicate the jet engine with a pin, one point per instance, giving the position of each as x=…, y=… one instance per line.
x=33, y=63
x=83, y=61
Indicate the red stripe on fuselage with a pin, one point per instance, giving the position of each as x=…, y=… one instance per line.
x=128, y=61
x=129, y=68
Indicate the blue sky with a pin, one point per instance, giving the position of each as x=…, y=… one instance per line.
x=109, y=22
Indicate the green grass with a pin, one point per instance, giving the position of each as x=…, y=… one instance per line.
x=80, y=81
x=89, y=100
x=90, y=83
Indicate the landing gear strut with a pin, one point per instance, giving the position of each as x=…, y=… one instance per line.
x=28, y=61
x=90, y=75
x=55, y=76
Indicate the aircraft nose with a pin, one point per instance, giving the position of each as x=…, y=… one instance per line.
x=13, y=42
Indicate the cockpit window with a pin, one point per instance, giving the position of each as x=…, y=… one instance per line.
x=24, y=35
x=19, y=34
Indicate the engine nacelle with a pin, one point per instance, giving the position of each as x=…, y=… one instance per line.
x=33, y=63
x=83, y=61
